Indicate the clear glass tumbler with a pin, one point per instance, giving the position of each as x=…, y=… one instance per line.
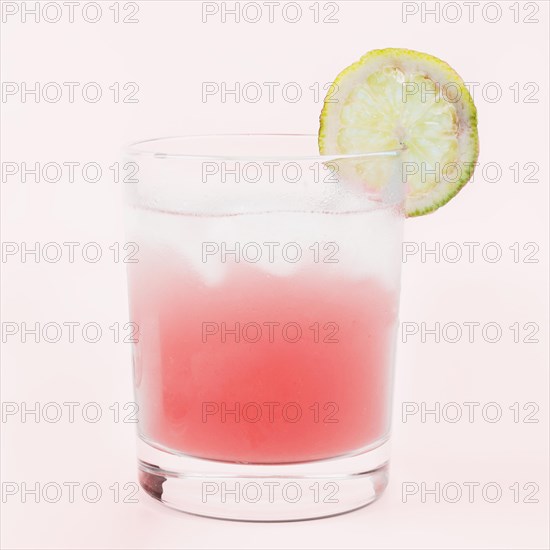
x=266, y=297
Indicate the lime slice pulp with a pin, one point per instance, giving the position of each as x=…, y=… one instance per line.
x=402, y=99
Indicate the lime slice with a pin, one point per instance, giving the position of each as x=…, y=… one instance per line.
x=402, y=99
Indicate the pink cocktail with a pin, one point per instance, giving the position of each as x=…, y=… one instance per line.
x=267, y=309
x=261, y=369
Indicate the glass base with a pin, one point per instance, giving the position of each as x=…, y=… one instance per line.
x=264, y=492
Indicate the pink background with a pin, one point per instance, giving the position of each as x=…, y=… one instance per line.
x=169, y=53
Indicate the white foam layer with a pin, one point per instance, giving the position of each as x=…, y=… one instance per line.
x=352, y=245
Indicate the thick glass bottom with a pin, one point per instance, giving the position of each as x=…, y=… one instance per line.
x=264, y=492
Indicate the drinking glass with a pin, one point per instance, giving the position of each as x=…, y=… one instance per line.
x=265, y=296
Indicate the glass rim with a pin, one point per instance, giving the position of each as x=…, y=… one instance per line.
x=139, y=149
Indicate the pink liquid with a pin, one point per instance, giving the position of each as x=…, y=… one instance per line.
x=274, y=400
